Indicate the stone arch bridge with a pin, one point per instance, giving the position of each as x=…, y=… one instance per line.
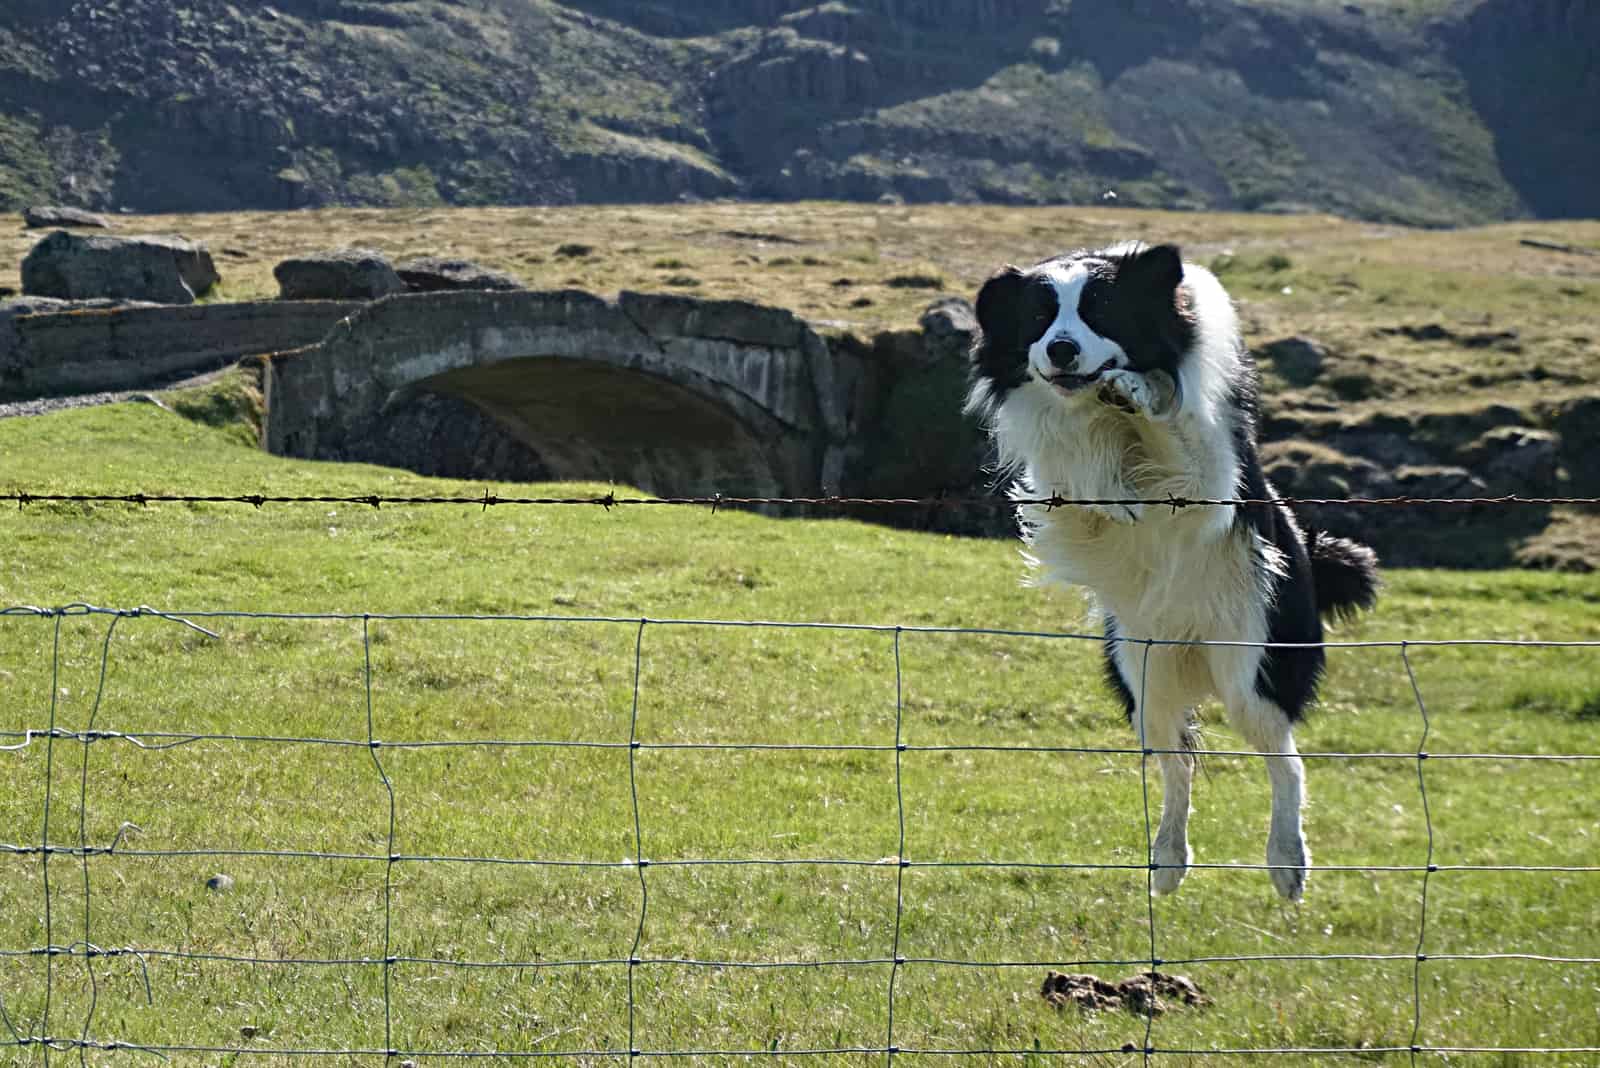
x=672, y=394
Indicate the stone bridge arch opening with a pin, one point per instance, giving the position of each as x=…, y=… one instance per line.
x=582, y=420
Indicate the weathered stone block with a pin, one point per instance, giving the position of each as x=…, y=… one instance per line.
x=337, y=274
x=161, y=269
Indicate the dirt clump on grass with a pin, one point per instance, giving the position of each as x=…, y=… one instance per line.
x=1145, y=994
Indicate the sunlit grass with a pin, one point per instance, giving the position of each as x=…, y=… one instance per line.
x=474, y=682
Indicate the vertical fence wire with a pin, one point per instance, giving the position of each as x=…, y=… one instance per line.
x=390, y=856
x=44, y=841
x=1428, y=868
x=638, y=840
x=900, y=861
x=1143, y=716
x=83, y=839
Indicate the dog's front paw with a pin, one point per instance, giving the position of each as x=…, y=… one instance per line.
x=1171, y=860
x=1152, y=393
x=1291, y=862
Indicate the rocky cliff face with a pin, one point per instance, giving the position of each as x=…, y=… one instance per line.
x=1533, y=71
x=200, y=104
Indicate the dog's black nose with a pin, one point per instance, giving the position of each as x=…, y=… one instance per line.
x=1063, y=352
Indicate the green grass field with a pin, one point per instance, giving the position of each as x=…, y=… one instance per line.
x=473, y=681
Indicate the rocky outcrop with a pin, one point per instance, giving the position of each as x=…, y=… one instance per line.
x=160, y=269
x=1188, y=103
x=1485, y=452
x=337, y=274
x=1531, y=72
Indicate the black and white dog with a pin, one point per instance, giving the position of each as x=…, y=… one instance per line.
x=1120, y=374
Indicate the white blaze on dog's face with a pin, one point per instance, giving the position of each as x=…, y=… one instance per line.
x=1069, y=354
x=1067, y=321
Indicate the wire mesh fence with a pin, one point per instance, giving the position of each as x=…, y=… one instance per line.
x=76, y=940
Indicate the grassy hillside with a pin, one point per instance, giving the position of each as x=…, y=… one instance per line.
x=469, y=682
x=1396, y=110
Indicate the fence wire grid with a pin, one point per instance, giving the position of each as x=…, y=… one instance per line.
x=45, y=1034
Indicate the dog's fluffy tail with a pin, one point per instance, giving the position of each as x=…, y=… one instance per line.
x=1345, y=574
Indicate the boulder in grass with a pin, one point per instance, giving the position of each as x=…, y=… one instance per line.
x=337, y=274
x=45, y=216
x=159, y=269
x=432, y=274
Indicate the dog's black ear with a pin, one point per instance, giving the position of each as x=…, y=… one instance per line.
x=999, y=299
x=1157, y=269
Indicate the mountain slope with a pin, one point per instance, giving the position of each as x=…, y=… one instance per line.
x=1272, y=104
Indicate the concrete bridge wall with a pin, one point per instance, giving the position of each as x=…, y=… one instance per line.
x=52, y=349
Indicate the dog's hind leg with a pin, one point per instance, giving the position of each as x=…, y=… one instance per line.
x=1148, y=682
x=1266, y=727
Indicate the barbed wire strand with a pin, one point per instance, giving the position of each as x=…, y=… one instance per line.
x=715, y=502
x=89, y=952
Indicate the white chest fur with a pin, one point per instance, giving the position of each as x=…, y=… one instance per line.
x=1164, y=573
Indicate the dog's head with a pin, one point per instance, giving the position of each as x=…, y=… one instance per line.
x=1069, y=320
